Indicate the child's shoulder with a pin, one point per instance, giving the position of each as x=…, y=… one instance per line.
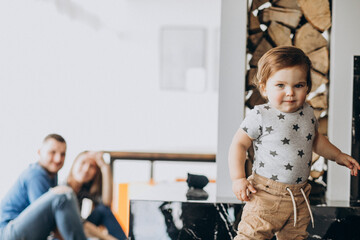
x=258, y=111
x=262, y=107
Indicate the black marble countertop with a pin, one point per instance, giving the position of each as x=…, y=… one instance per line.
x=162, y=212
x=163, y=220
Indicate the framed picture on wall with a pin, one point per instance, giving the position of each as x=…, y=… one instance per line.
x=182, y=58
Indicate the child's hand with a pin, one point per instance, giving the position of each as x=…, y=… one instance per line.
x=241, y=188
x=346, y=160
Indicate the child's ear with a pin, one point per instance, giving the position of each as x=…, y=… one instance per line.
x=262, y=90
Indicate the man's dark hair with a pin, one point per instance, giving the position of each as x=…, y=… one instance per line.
x=55, y=136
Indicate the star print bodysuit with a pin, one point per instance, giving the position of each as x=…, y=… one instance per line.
x=282, y=142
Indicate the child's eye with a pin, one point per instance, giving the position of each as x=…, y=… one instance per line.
x=299, y=85
x=280, y=85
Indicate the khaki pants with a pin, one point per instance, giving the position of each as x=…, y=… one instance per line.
x=271, y=211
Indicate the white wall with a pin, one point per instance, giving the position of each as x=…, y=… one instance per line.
x=231, y=86
x=90, y=71
x=345, y=44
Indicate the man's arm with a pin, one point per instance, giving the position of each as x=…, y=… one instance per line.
x=37, y=185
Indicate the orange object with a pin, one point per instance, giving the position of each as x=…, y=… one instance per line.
x=123, y=211
x=151, y=182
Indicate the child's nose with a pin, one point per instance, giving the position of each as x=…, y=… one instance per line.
x=289, y=91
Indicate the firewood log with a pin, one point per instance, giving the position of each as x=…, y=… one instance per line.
x=262, y=48
x=319, y=101
x=316, y=174
x=286, y=16
x=317, y=12
x=254, y=24
x=315, y=157
x=318, y=112
x=320, y=60
x=254, y=40
x=286, y=4
x=251, y=78
x=279, y=34
x=255, y=99
x=317, y=80
x=309, y=39
x=323, y=125
x=257, y=3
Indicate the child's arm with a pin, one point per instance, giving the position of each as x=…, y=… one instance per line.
x=237, y=157
x=324, y=148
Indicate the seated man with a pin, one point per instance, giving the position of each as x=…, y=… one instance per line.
x=30, y=211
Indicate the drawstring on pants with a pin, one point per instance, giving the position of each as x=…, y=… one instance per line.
x=308, y=205
x=294, y=206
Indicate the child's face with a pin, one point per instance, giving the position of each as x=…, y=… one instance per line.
x=286, y=89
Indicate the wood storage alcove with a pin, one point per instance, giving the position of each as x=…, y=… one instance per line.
x=302, y=23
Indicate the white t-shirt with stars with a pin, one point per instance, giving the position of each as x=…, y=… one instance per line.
x=282, y=142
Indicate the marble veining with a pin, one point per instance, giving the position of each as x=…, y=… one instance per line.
x=191, y=220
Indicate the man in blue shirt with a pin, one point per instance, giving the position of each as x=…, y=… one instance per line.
x=30, y=211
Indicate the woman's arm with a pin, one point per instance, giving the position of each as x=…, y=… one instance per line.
x=93, y=231
x=107, y=187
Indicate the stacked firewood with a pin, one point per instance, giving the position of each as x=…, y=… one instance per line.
x=300, y=23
